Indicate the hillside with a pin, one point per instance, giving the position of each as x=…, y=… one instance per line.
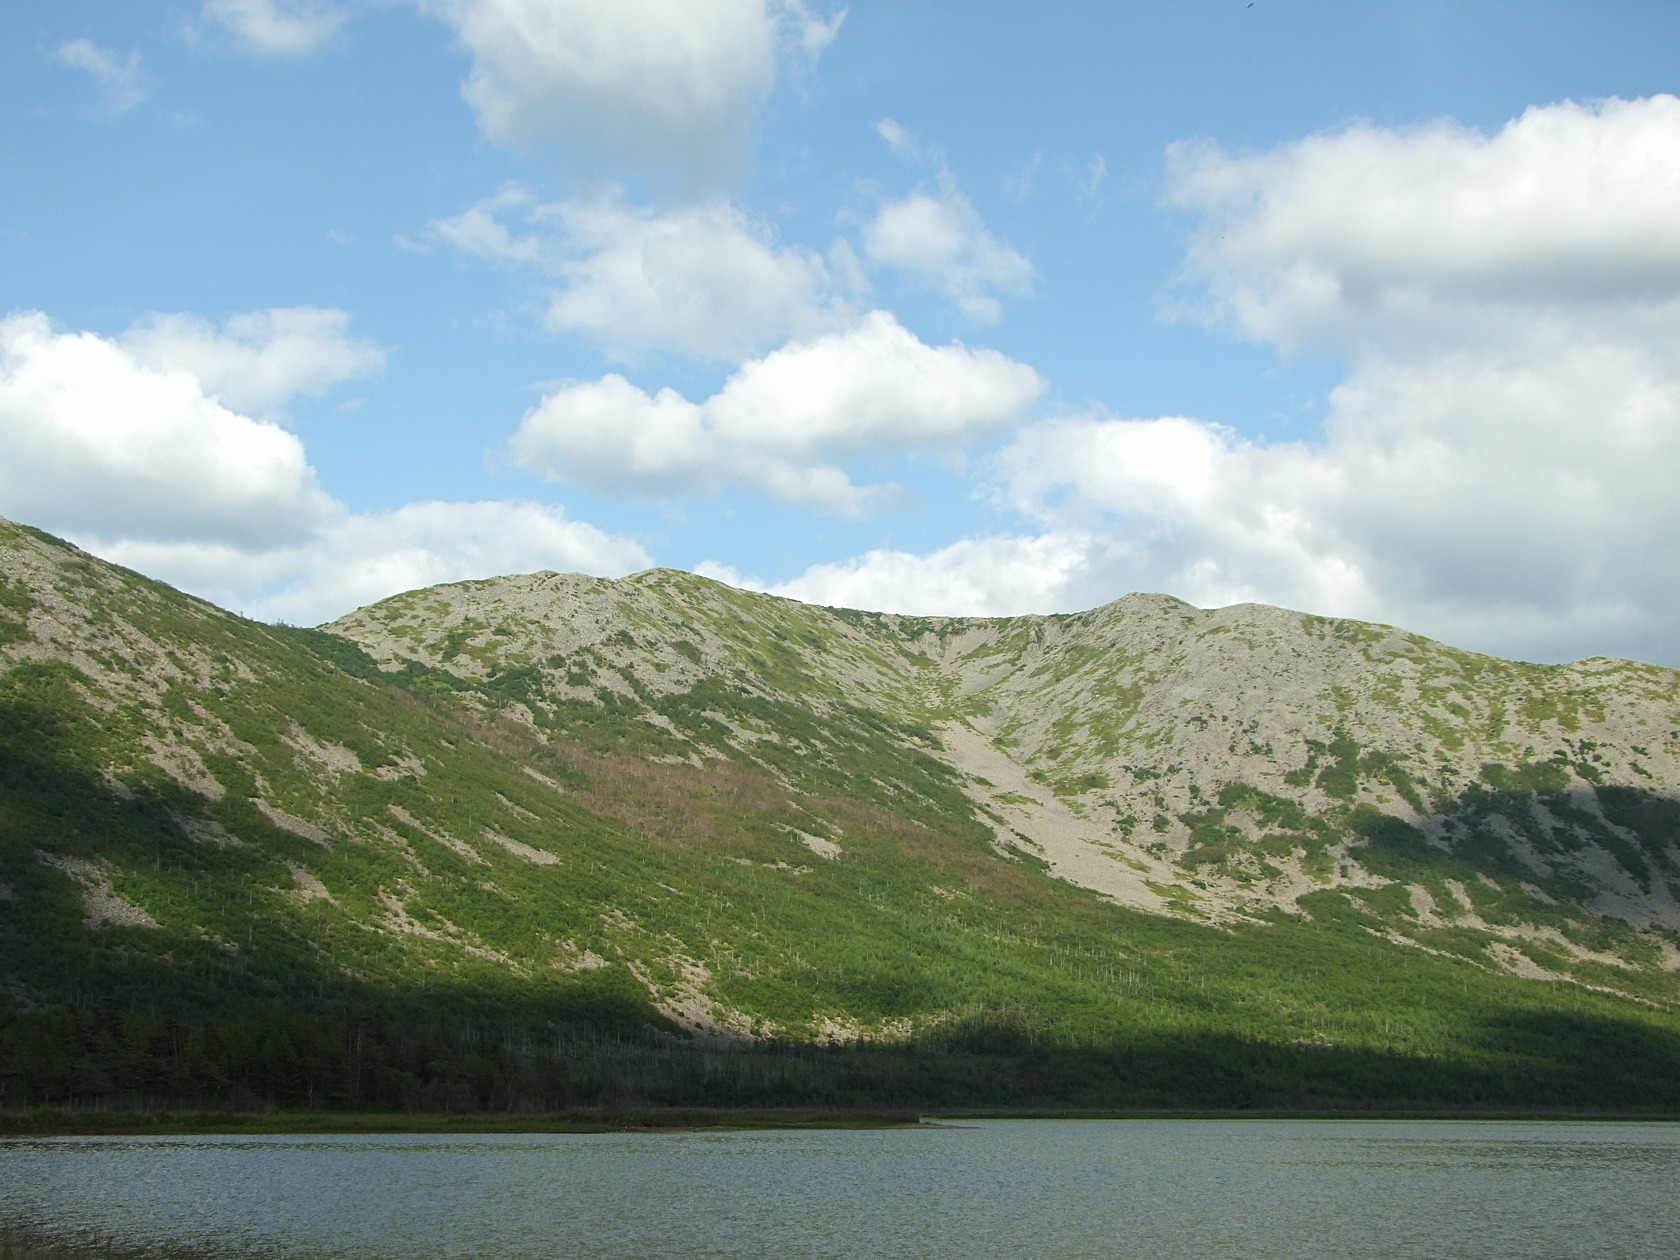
x=1173, y=758
x=543, y=839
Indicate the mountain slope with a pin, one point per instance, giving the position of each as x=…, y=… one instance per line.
x=551, y=838
x=1214, y=763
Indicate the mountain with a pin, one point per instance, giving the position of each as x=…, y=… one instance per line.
x=1214, y=764
x=548, y=839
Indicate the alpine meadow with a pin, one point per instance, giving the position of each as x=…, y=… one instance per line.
x=550, y=841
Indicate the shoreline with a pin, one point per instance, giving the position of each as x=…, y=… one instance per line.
x=181, y=1122
x=185, y=1122
x=1318, y=1113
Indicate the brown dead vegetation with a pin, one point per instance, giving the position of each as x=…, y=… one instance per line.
x=736, y=808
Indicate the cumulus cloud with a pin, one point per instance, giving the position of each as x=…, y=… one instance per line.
x=669, y=84
x=706, y=280
x=666, y=82
x=284, y=28
x=142, y=462
x=937, y=238
x=98, y=443
x=511, y=227
x=1515, y=503
x=784, y=424
x=121, y=83
x=1432, y=231
x=1497, y=468
x=256, y=361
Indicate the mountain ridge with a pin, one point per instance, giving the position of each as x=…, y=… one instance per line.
x=1564, y=736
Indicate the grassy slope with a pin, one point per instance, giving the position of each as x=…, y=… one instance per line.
x=443, y=969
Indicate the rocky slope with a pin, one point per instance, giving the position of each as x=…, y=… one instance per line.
x=1215, y=763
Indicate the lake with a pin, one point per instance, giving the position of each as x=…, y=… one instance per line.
x=1045, y=1189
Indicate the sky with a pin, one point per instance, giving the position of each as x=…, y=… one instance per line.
x=1367, y=310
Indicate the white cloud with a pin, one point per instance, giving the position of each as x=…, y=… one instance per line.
x=360, y=558
x=1498, y=467
x=706, y=280
x=709, y=280
x=783, y=424
x=137, y=462
x=482, y=229
x=974, y=577
x=1184, y=506
x=278, y=27
x=808, y=33
x=667, y=82
x=1517, y=504
x=1433, y=230
x=256, y=361
x=97, y=443
x=938, y=238
x=121, y=83
x=898, y=138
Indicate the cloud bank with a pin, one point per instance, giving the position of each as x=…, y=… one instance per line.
x=356, y=558
x=1496, y=469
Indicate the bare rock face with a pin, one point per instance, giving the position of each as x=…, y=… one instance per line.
x=1267, y=752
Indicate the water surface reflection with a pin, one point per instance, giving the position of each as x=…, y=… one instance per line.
x=1139, y=1190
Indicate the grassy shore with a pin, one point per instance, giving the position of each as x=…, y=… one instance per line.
x=75, y=1122
x=69, y=1122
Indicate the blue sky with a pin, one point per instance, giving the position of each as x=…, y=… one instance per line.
x=1369, y=310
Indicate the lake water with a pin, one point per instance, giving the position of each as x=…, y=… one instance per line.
x=1133, y=1189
